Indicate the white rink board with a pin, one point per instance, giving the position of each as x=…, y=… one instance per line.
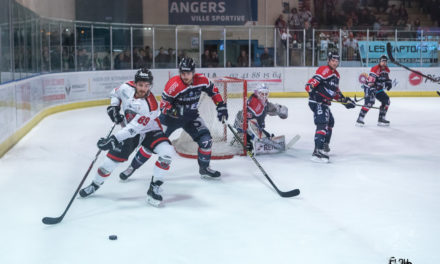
x=30, y=96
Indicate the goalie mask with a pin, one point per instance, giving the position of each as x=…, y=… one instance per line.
x=262, y=92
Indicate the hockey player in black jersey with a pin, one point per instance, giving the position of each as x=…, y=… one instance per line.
x=378, y=81
x=323, y=87
x=179, y=109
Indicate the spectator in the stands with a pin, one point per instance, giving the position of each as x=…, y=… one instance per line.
x=351, y=44
x=161, y=59
x=266, y=59
x=280, y=23
x=403, y=14
x=214, y=59
x=206, y=58
x=305, y=15
x=243, y=59
x=294, y=19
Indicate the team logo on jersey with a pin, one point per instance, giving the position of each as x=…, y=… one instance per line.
x=363, y=78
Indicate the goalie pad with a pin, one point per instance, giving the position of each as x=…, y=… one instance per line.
x=269, y=146
x=277, y=109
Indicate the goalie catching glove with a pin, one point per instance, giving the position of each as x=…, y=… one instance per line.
x=277, y=109
x=110, y=143
x=222, y=111
x=113, y=113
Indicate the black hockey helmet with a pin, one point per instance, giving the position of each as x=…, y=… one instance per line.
x=144, y=75
x=383, y=58
x=187, y=64
x=333, y=55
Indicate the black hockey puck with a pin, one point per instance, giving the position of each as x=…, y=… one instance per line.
x=113, y=237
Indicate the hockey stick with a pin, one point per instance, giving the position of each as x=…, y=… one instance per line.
x=356, y=100
x=374, y=107
x=293, y=141
x=390, y=55
x=291, y=193
x=56, y=220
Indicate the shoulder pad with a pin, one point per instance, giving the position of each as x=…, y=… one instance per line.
x=200, y=79
x=324, y=71
x=174, y=86
x=152, y=102
x=375, y=70
x=131, y=83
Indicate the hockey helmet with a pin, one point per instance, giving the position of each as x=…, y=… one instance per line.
x=144, y=75
x=383, y=58
x=262, y=91
x=187, y=64
x=333, y=55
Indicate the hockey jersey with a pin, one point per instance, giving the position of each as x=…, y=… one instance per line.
x=378, y=77
x=257, y=110
x=141, y=114
x=325, y=85
x=185, y=98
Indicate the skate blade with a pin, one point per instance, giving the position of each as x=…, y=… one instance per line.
x=319, y=160
x=383, y=125
x=209, y=178
x=154, y=202
x=360, y=125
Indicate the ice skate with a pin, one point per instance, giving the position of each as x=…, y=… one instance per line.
x=360, y=122
x=383, y=122
x=85, y=192
x=319, y=156
x=208, y=173
x=153, y=194
x=126, y=173
x=326, y=148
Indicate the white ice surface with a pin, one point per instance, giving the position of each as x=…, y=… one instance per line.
x=379, y=197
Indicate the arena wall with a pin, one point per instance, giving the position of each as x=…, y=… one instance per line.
x=24, y=103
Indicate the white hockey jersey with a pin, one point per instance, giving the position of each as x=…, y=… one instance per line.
x=141, y=114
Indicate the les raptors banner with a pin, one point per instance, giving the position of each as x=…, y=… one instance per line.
x=407, y=52
x=214, y=12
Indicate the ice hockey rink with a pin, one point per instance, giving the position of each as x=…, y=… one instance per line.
x=377, y=199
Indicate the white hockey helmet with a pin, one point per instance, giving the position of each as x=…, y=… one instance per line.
x=262, y=91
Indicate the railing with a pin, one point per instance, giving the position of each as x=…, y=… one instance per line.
x=32, y=45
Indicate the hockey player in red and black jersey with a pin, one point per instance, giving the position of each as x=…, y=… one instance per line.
x=141, y=126
x=323, y=87
x=378, y=81
x=259, y=140
x=179, y=109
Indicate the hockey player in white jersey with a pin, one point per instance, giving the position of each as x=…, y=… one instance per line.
x=141, y=126
x=259, y=140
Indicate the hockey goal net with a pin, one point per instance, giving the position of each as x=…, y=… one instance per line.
x=234, y=93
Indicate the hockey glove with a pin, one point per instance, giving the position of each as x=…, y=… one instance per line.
x=113, y=113
x=283, y=111
x=388, y=84
x=348, y=102
x=172, y=112
x=222, y=111
x=110, y=143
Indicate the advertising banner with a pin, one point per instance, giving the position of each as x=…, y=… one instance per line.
x=406, y=52
x=196, y=12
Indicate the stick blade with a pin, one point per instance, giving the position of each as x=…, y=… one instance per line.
x=293, y=141
x=51, y=220
x=289, y=194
